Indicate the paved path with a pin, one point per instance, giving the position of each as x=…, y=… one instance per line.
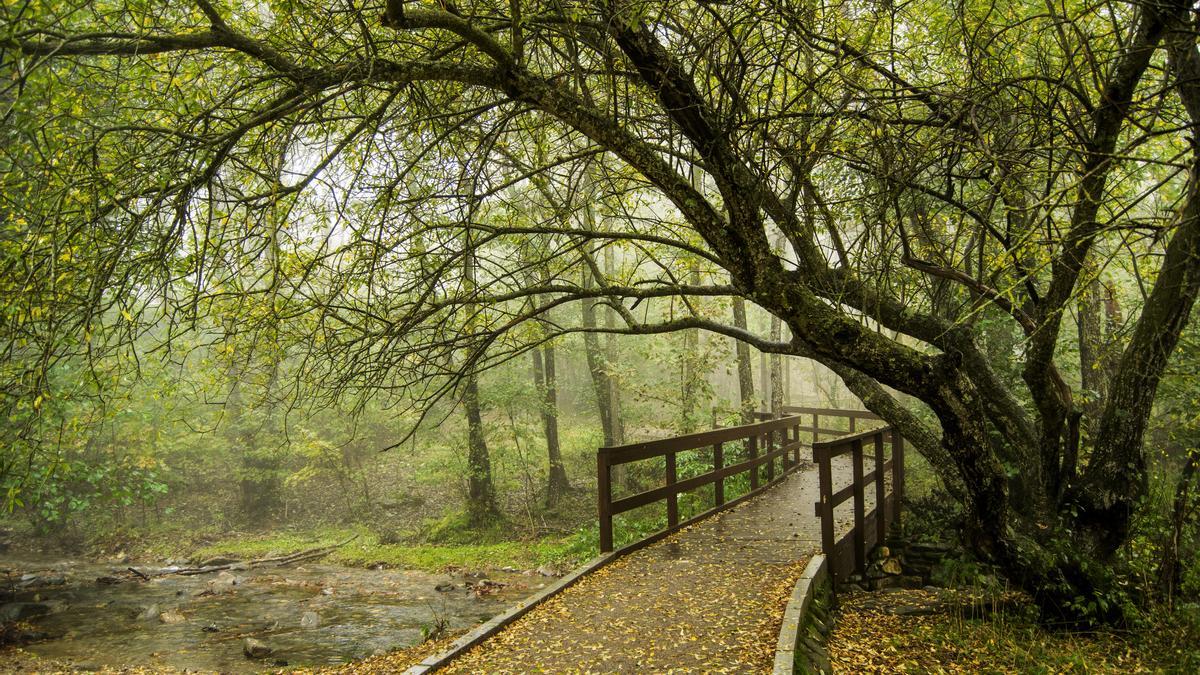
x=709, y=598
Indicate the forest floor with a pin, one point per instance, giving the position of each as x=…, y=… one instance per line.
x=966, y=631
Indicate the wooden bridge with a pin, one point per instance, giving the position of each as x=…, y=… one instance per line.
x=745, y=511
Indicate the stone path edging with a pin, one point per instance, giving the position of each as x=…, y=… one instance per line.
x=796, y=613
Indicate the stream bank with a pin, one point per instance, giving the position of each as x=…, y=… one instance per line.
x=312, y=614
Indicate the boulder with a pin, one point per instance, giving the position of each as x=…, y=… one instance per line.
x=310, y=620
x=256, y=649
x=19, y=611
x=548, y=571
x=930, y=548
x=150, y=613
x=224, y=582
x=172, y=616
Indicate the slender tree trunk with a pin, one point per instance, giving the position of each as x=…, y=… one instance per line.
x=776, y=371
x=546, y=383
x=258, y=483
x=595, y=361
x=481, y=493
x=482, y=509
x=689, y=375
x=1170, y=571
x=764, y=378
x=611, y=357
x=1093, y=376
x=777, y=359
x=744, y=367
x=787, y=382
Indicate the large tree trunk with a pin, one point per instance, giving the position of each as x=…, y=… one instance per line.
x=745, y=368
x=546, y=382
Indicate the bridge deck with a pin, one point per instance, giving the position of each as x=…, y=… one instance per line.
x=708, y=598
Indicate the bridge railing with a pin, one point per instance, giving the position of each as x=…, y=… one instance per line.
x=766, y=443
x=814, y=417
x=848, y=554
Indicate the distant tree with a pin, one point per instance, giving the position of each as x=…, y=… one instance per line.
x=745, y=368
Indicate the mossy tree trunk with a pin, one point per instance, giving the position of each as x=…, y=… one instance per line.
x=546, y=384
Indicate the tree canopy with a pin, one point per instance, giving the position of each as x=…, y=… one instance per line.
x=401, y=193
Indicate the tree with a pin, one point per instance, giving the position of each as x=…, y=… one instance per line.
x=932, y=169
x=744, y=367
x=546, y=382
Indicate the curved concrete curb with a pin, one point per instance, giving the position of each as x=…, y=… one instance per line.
x=796, y=614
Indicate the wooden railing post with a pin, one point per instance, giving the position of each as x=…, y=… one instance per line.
x=796, y=433
x=770, y=438
x=860, y=544
x=718, y=464
x=673, y=498
x=816, y=425
x=825, y=506
x=604, y=495
x=897, y=473
x=880, y=493
x=784, y=460
x=851, y=418
x=753, y=452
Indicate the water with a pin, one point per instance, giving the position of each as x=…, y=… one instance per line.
x=362, y=612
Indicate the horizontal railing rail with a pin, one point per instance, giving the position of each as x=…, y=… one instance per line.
x=766, y=444
x=814, y=415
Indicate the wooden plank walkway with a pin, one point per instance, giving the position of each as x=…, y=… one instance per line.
x=709, y=598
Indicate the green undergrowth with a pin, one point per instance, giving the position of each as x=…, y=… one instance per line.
x=367, y=550
x=437, y=545
x=966, y=630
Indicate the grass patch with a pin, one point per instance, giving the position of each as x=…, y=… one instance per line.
x=367, y=550
x=439, y=557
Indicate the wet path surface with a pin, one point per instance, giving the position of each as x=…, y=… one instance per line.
x=709, y=598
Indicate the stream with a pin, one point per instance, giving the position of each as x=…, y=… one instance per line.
x=309, y=614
